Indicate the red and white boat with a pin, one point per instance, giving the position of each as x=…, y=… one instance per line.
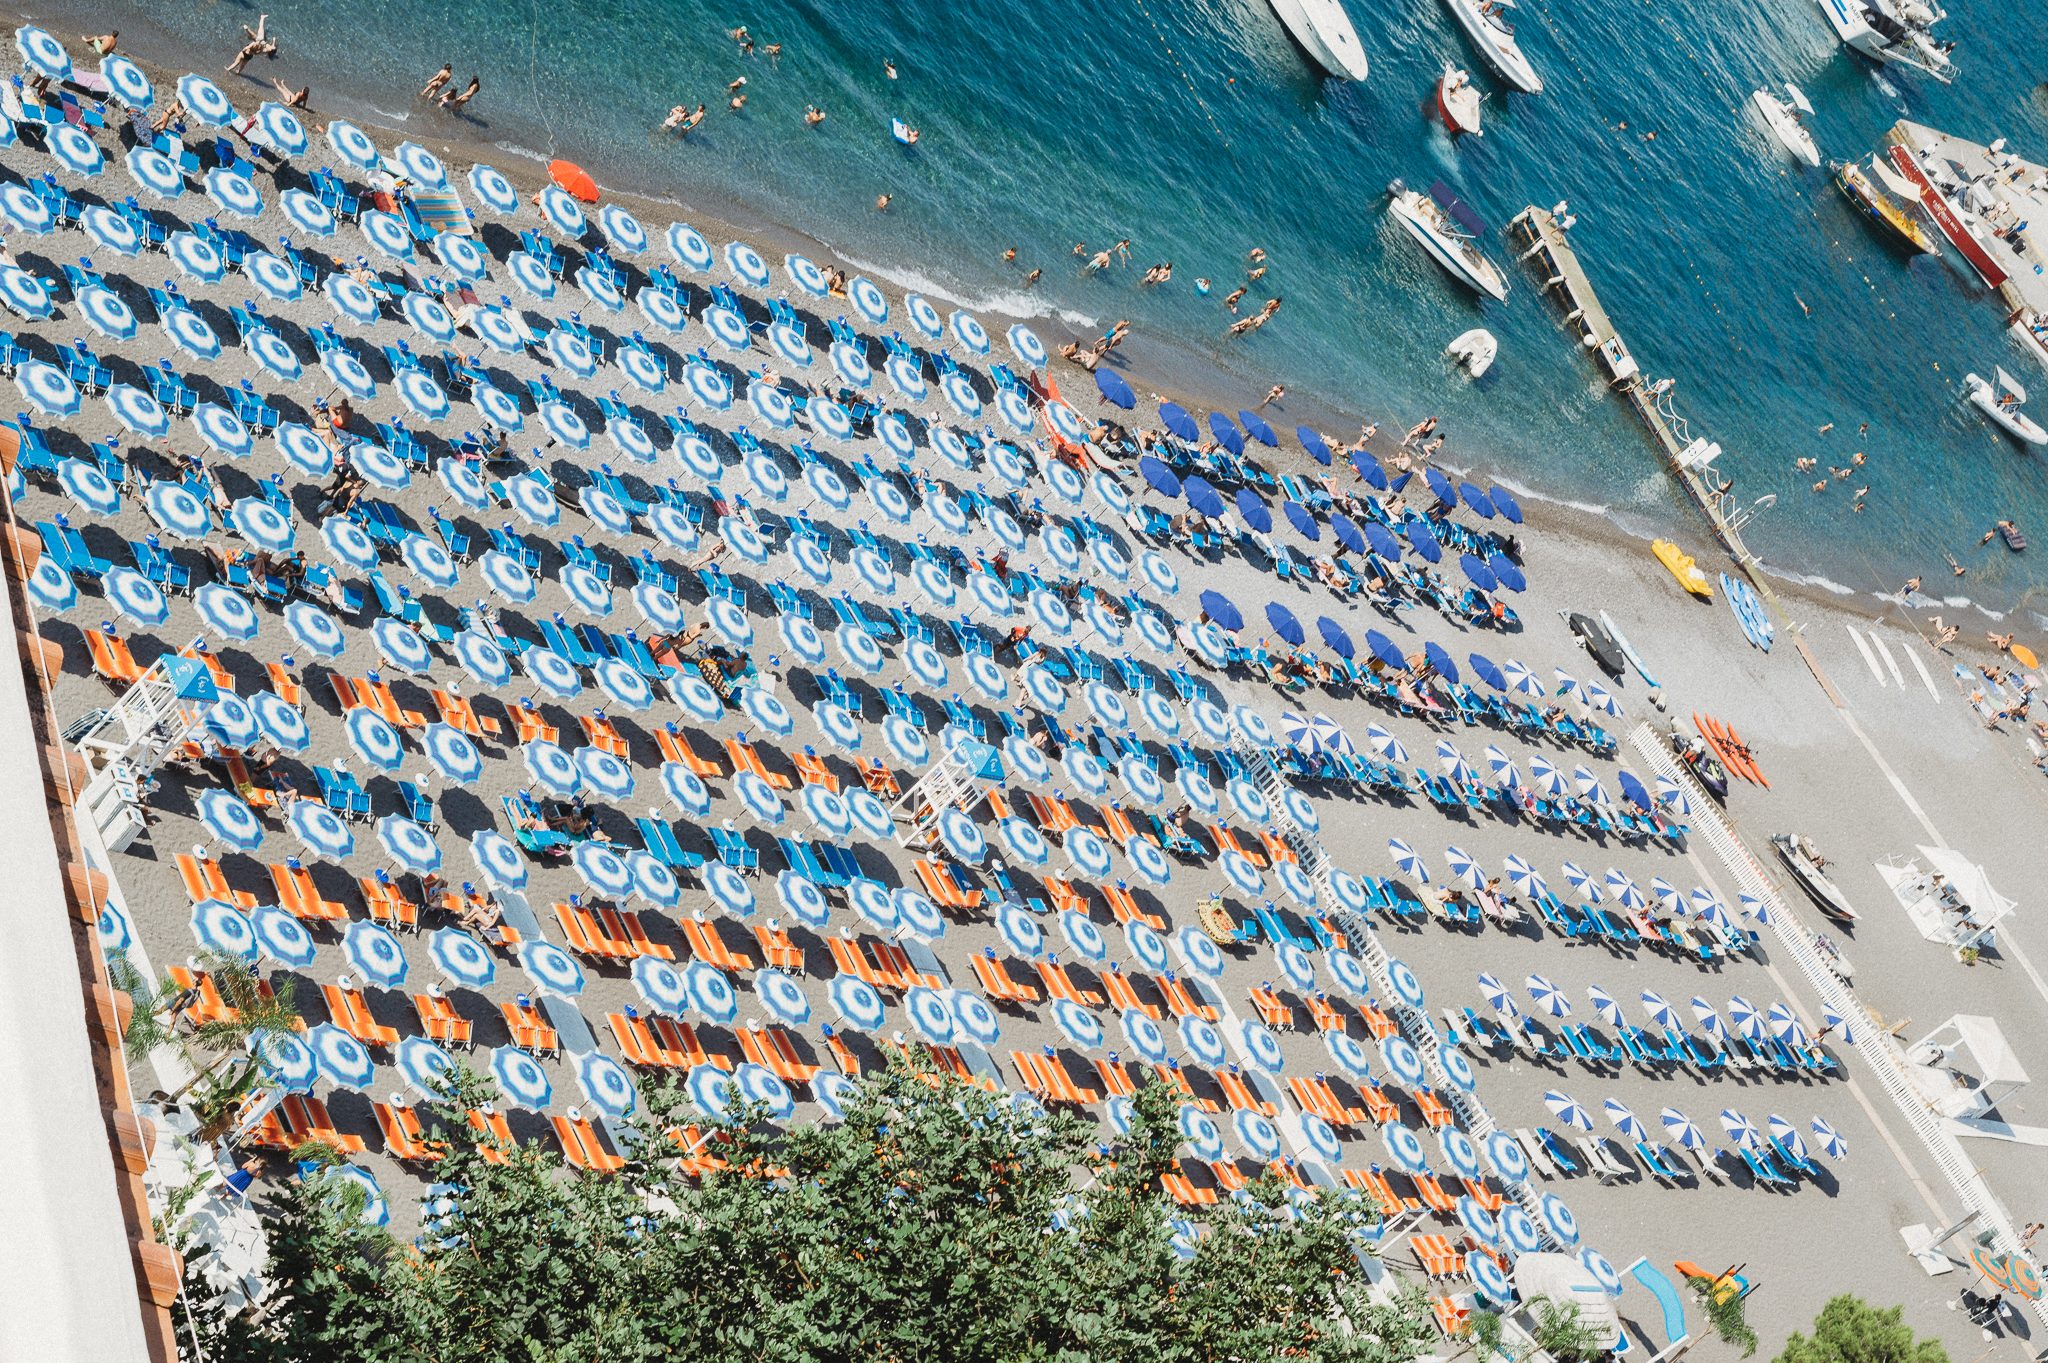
x=1457, y=102
x=1950, y=218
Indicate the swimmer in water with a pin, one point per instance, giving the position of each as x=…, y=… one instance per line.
x=889, y=68
x=813, y=115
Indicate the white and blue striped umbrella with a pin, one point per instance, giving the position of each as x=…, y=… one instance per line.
x=349, y=543
x=1204, y=1138
x=806, y=275
x=1014, y=410
x=759, y=799
x=112, y=231
x=498, y=859
x=493, y=190
x=374, y=951
x=1567, y=1110
x=1026, y=346
x=27, y=295
x=508, y=577
x=986, y=677
x=83, y=483
x=1349, y=973
x=968, y=330
x=875, y=905
x=551, y=968
x=418, y=165
x=1297, y=965
x=782, y=998
x=711, y=993
x=1517, y=1227
x=342, y=1059
x=687, y=789
x=857, y=1002
x=1020, y=930
x=314, y=629
x=220, y=926
x=788, y=345
x=959, y=393
x=586, y=590
x=230, y=720
x=1550, y=998
x=871, y=814
x=126, y=82
x=286, y=1062
x=408, y=845
x=1506, y=1157
x=136, y=597
x=74, y=149
x=310, y=216
x=696, y=455
x=572, y=352
x=605, y=772
x=432, y=321
x=351, y=298
x=632, y=440
x=601, y=289
x=203, y=100
x=746, y=263
x=280, y=129
x=1404, y=1148
x=453, y=754
x=642, y=368
x=929, y=1015
x=729, y=890
x=622, y=230
x=105, y=313
x=923, y=662
x=562, y=211
x=273, y=276
x=1201, y=1040
x=400, y=645
x=1147, y=860
x=765, y=709
x=661, y=985
x=727, y=327
x=229, y=819
x=374, y=739
x=25, y=212
x=552, y=769
x=51, y=587
x=851, y=365
x=660, y=307
x=42, y=54
x=802, y=897
x=430, y=562
x=253, y=518
x=697, y=698
x=521, y=1080
x=606, y=1084
x=425, y=1067
x=1520, y=678
x=1403, y=1060
x=909, y=746
x=712, y=1090
x=226, y=612
x=653, y=881
x=1484, y=1270
x=1024, y=842
x=1065, y=481
x=1349, y=1055
x=275, y=357
x=689, y=248
x=824, y=807
x=1256, y=1134
x=498, y=332
x=1831, y=1142
x=802, y=638
x=1603, y=1272
x=908, y=380
x=771, y=404
x=1459, y=1152
x=760, y=1087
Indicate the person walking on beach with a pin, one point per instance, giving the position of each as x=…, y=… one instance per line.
x=1273, y=395
x=257, y=46
x=440, y=78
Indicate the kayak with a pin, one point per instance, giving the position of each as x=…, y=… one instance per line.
x=1733, y=752
x=1749, y=612
x=1683, y=568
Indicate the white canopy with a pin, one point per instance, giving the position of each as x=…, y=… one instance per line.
x=1563, y=1279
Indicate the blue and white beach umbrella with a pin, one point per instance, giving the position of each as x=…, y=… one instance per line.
x=461, y=958
x=1147, y=860
x=712, y=1091
x=782, y=998
x=508, y=577
x=857, y=1003
x=653, y=881
x=280, y=130
x=220, y=926
x=1506, y=1158
x=711, y=993
x=497, y=859
x=83, y=483
x=426, y=1068
x=314, y=629
x=661, y=985
x=418, y=165
x=572, y=352
x=1404, y=1148
x=111, y=231
x=729, y=890
x=521, y=1080
x=606, y=773
x=452, y=753
x=551, y=968
x=607, y=1085
x=51, y=588
x=136, y=597
x=275, y=357
x=23, y=293
x=498, y=332
x=430, y=562
x=562, y=211
x=374, y=952
x=387, y=234
x=74, y=149
x=312, y=217
x=805, y=274
x=851, y=365
x=802, y=897
x=351, y=298
x=126, y=82
x=493, y=190
x=1204, y=1138
x=230, y=720
x=689, y=248
x=1014, y=410
x=272, y=276
x=1567, y=1110
x=908, y=745
x=342, y=1059
x=929, y=1014
x=789, y=346
x=759, y=1086
x=1603, y=1272
x=204, y=101
x=871, y=814
x=1349, y=1055
x=374, y=740
x=226, y=612
x=408, y=845
x=746, y=263
x=622, y=230
x=25, y=212
x=263, y=525
x=286, y=1061
x=105, y=313
x=759, y=798
x=42, y=54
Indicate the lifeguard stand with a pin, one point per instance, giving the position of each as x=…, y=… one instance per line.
x=159, y=713
x=957, y=780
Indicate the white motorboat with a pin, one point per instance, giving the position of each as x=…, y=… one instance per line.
x=1323, y=30
x=1893, y=31
x=1446, y=228
x=2030, y=329
x=1808, y=868
x=1781, y=116
x=2001, y=402
x=1475, y=350
x=1457, y=102
x=1488, y=29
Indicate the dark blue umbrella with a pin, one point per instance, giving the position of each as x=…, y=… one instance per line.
x=1402, y=482
x=1632, y=789
x=1160, y=477
x=1506, y=572
x=1227, y=435
x=1312, y=441
x=1475, y=569
x=1203, y=497
x=1425, y=543
x=1382, y=541
x=1369, y=469
x=1255, y=512
x=1441, y=661
x=1477, y=500
x=1334, y=635
x=1441, y=486
x=1298, y=516
x=1347, y=532
x=1284, y=624
x=1114, y=389
x=1178, y=421
x=1260, y=431
x=1505, y=503
x=1385, y=650
x=1487, y=671
x=1222, y=610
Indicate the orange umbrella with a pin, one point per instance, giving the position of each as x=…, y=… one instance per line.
x=2025, y=655
x=575, y=179
x=2026, y=1283
x=1992, y=1267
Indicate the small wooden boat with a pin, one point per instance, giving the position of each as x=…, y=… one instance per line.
x=1457, y=102
x=1863, y=191
x=1806, y=865
x=1683, y=568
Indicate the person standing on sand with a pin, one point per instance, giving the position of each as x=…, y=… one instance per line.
x=1273, y=395
x=441, y=78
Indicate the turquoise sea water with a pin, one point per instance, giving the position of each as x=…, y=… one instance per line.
x=1194, y=128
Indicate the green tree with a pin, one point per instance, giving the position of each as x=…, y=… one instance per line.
x=258, y=1008
x=1851, y=1330
x=936, y=1221
x=1561, y=1333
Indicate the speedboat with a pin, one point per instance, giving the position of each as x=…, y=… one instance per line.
x=1323, y=30
x=1781, y=116
x=1475, y=350
x=1699, y=757
x=1805, y=864
x=1488, y=29
x=2030, y=329
x=1893, y=31
x=2001, y=402
x=1446, y=228
x=1457, y=102
x=1861, y=189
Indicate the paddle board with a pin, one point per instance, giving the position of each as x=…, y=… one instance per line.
x=1627, y=649
x=1749, y=612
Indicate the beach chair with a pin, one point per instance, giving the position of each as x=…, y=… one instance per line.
x=529, y=1030
x=404, y=1140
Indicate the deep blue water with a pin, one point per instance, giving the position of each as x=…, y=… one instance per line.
x=1194, y=128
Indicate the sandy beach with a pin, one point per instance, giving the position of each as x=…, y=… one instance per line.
x=1896, y=763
